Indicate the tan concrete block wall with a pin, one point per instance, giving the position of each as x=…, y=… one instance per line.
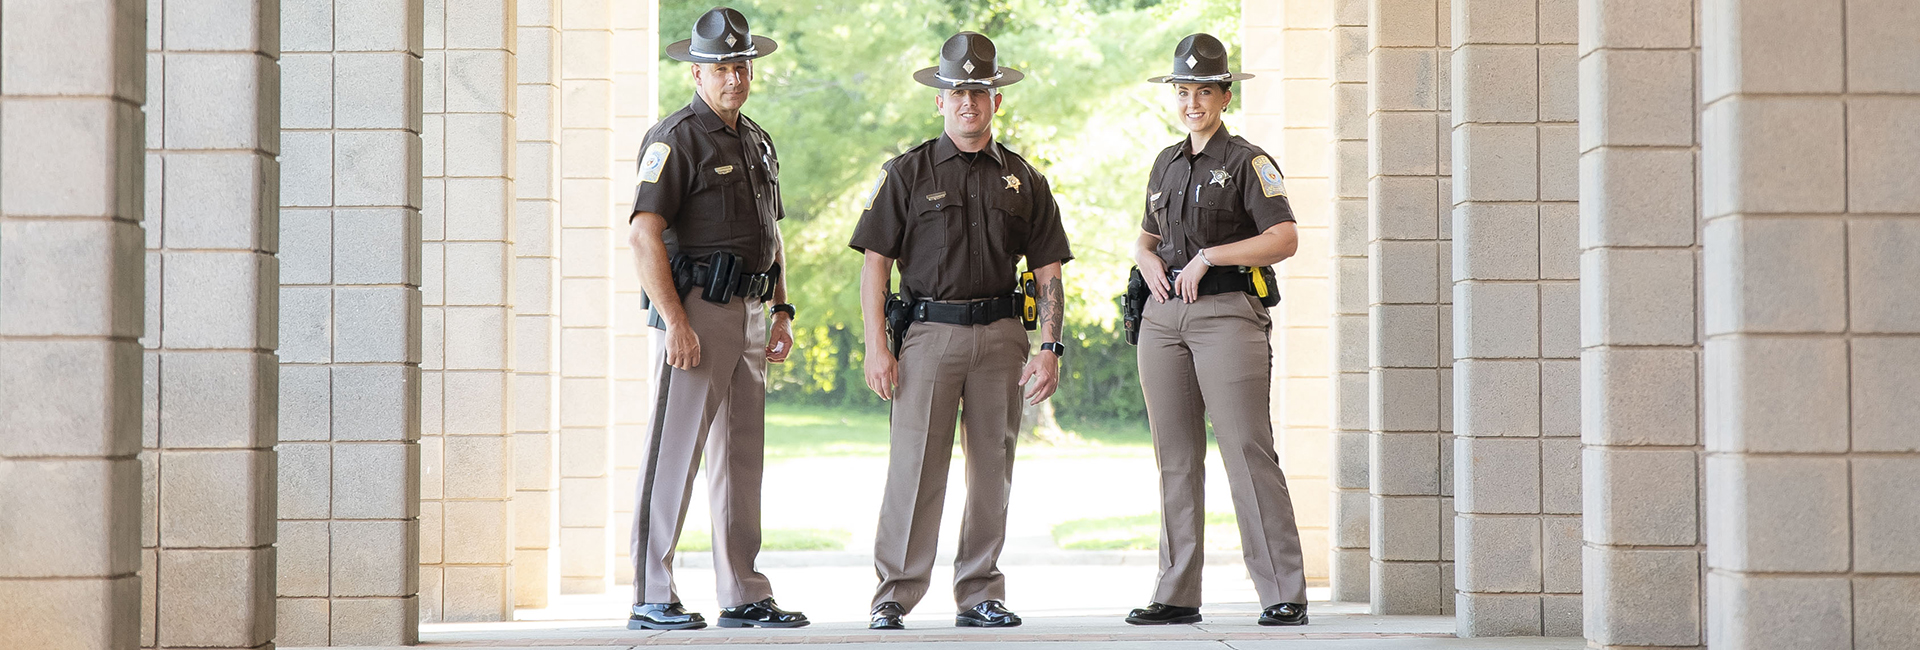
x=1516, y=319
x=468, y=443
x=536, y=296
x=586, y=296
x=636, y=66
x=1808, y=140
x=71, y=315
x=1411, y=378
x=212, y=138
x=1641, y=396
x=1348, y=396
x=1286, y=110
x=349, y=314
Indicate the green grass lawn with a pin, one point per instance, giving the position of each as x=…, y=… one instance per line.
x=1137, y=533
x=795, y=431
x=774, y=539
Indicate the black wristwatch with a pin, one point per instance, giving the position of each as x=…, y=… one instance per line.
x=784, y=307
x=1057, y=348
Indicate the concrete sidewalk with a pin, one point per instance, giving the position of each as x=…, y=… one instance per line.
x=1078, y=607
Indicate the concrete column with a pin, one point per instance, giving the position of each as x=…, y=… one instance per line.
x=70, y=318
x=1347, y=180
x=1809, y=139
x=636, y=62
x=1411, y=316
x=586, y=296
x=349, y=455
x=1287, y=110
x=536, y=288
x=467, y=489
x=1516, y=318
x=1640, y=394
x=213, y=132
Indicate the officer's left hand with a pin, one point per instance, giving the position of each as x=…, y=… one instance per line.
x=1041, y=377
x=1188, y=286
x=780, y=342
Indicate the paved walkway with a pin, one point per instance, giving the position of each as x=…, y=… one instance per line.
x=1077, y=607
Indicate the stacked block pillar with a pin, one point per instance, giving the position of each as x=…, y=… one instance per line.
x=536, y=290
x=1286, y=108
x=1411, y=525
x=1516, y=318
x=636, y=63
x=213, y=134
x=1809, y=138
x=1640, y=359
x=586, y=297
x=349, y=323
x=467, y=228
x=70, y=319
x=1347, y=225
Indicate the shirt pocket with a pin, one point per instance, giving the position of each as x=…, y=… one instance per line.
x=1157, y=211
x=1010, y=218
x=728, y=179
x=939, y=218
x=1220, y=215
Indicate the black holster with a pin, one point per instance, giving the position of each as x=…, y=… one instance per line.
x=1133, y=304
x=899, y=314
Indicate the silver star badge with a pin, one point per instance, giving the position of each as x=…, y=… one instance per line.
x=1191, y=61
x=731, y=41
x=968, y=66
x=1012, y=183
x=1220, y=177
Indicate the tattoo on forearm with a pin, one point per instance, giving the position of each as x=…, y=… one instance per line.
x=1053, y=307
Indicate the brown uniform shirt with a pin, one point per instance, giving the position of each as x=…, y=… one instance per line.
x=1228, y=192
x=717, y=187
x=960, y=223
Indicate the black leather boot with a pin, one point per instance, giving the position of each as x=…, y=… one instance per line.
x=1161, y=614
x=1285, y=614
x=664, y=616
x=761, y=614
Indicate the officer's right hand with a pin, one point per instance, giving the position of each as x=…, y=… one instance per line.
x=683, y=346
x=882, y=372
x=1154, y=272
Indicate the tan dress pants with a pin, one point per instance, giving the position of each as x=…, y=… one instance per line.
x=942, y=368
x=719, y=405
x=1213, y=357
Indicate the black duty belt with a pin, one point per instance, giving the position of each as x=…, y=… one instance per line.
x=721, y=278
x=1223, y=279
x=977, y=312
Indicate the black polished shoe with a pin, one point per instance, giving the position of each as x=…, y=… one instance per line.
x=664, y=616
x=1159, y=614
x=989, y=613
x=761, y=614
x=887, y=616
x=1285, y=614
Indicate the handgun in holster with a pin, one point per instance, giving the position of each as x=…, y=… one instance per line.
x=1263, y=283
x=1029, y=310
x=899, y=314
x=1132, y=304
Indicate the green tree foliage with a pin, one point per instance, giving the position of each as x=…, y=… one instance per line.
x=839, y=100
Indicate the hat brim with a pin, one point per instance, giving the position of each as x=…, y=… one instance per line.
x=1177, y=79
x=930, y=77
x=683, y=51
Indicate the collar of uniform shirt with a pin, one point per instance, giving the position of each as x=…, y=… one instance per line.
x=945, y=149
x=707, y=117
x=1216, y=146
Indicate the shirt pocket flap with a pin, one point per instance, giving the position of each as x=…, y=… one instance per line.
x=929, y=199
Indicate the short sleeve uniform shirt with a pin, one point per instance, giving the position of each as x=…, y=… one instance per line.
x=1227, y=192
x=960, y=222
x=717, y=187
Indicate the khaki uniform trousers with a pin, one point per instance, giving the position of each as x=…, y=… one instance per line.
x=1213, y=357
x=719, y=405
x=943, y=367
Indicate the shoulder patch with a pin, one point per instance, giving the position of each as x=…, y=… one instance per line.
x=1271, y=184
x=875, y=190
x=654, y=160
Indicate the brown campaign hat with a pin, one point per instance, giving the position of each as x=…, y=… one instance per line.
x=1200, y=58
x=721, y=35
x=968, y=60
